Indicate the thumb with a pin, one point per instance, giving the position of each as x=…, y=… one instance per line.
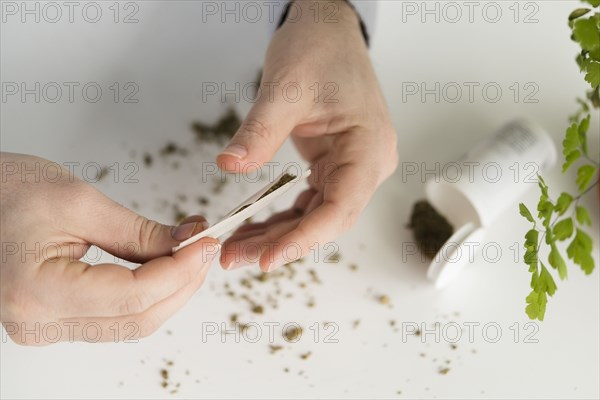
x=126, y=234
x=262, y=133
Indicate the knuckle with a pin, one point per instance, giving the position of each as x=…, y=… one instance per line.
x=146, y=231
x=134, y=303
x=253, y=127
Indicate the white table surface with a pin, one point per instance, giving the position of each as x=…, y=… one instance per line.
x=168, y=54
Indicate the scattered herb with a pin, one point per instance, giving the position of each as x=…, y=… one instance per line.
x=292, y=333
x=178, y=214
x=334, y=258
x=314, y=276
x=148, y=160
x=221, y=131
x=172, y=148
x=274, y=348
x=257, y=309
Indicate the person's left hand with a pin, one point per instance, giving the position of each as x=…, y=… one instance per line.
x=48, y=293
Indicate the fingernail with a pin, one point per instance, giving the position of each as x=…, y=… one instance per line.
x=183, y=232
x=236, y=150
x=235, y=265
x=275, y=264
x=205, y=225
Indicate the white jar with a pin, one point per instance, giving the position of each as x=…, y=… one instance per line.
x=494, y=175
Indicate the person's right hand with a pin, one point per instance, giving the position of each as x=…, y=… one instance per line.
x=48, y=295
x=340, y=125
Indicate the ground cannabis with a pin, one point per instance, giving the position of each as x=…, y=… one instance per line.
x=292, y=333
x=334, y=258
x=282, y=181
x=221, y=131
x=203, y=201
x=257, y=309
x=147, y=160
x=274, y=348
x=172, y=148
x=430, y=229
x=178, y=214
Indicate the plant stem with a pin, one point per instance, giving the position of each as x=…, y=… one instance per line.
x=588, y=189
x=576, y=199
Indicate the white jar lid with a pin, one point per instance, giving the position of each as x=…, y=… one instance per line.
x=455, y=254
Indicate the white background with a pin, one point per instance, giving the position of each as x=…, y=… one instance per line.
x=168, y=54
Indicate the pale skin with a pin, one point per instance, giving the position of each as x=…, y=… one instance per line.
x=350, y=144
x=56, y=222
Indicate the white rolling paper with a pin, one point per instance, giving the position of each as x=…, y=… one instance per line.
x=246, y=209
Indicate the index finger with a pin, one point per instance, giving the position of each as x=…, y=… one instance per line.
x=331, y=213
